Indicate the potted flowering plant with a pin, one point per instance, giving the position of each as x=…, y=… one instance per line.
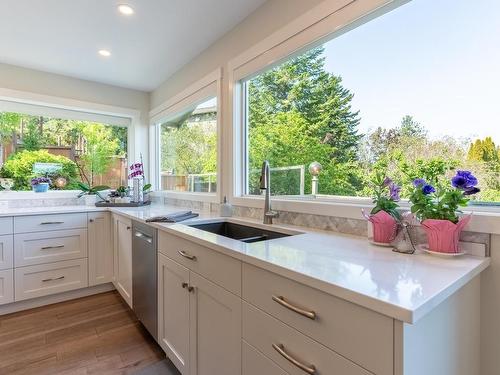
x=437, y=207
x=40, y=184
x=384, y=216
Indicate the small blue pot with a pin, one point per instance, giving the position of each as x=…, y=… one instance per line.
x=41, y=188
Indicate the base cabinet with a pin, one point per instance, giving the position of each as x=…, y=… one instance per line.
x=6, y=286
x=199, y=322
x=101, y=267
x=122, y=249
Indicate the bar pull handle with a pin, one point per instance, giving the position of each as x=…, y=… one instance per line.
x=143, y=236
x=53, y=279
x=186, y=255
x=283, y=302
x=309, y=369
x=51, y=222
x=52, y=247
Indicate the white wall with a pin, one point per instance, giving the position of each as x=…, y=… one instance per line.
x=268, y=18
x=54, y=85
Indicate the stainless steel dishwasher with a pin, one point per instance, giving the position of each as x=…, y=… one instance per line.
x=145, y=276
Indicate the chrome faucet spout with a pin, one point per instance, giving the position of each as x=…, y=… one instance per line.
x=265, y=184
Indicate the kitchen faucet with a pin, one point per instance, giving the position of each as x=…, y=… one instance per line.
x=265, y=184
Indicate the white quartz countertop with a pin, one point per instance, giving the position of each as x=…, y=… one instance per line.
x=404, y=287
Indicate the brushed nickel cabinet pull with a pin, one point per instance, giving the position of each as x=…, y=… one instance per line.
x=282, y=301
x=280, y=348
x=51, y=222
x=186, y=255
x=52, y=247
x=53, y=279
x=91, y=220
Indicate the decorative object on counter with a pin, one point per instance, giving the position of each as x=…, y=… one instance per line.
x=40, y=184
x=7, y=183
x=436, y=204
x=90, y=193
x=226, y=209
x=140, y=190
x=384, y=217
x=405, y=241
x=175, y=217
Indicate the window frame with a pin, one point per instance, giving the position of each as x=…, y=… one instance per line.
x=204, y=89
x=321, y=24
x=59, y=107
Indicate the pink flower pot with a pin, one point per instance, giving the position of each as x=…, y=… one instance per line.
x=385, y=227
x=443, y=235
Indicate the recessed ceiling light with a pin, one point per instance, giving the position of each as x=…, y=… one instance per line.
x=125, y=9
x=104, y=52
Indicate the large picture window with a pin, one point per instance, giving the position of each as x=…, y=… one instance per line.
x=188, y=149
x=389, y=95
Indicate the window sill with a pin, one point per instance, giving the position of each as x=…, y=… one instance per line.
x=486, y=219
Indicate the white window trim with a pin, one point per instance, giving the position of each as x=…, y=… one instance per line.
x=65, y=104
x=200, y=90
x=311, y=29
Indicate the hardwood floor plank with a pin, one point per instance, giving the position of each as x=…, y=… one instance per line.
x=93, y=335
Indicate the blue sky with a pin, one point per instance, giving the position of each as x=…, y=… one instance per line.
x=438, y=60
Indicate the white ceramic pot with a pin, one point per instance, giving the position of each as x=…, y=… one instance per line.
x=90, y=200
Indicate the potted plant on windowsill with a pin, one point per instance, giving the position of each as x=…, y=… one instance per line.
x=437, y=208
x=40, y=184
x=90, y=193
x=384, y=217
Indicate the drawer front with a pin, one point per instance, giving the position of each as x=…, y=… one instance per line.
x=255, y=363
x=362, y=335
x=284, y=345
x=6, y=225
x=6, y=252
x=218, y=268
x=46, y=279
x=52, y=246
x=43, y=223
x=6, y=286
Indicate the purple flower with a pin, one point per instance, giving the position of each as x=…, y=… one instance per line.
x=40, y=180
x=464, y=180
x=387, y=182
x=418, y=182
x=428, y=189
x=472, y=191
x=394, y=192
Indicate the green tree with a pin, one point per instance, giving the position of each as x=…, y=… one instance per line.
x=100, y=147
x=300, y=113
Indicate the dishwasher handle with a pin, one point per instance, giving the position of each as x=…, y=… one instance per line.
x=143, y=236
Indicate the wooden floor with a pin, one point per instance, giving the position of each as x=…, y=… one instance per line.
x=92, y=335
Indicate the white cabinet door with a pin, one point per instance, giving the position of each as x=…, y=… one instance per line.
x=100, y=248
x=173, y=312
x=6, y=286
x=215, y=329
x=6, y=252
x=123, y=257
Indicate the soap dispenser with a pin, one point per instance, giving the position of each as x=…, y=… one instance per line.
x=226, y=210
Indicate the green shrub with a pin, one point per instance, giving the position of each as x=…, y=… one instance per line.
x=19, y=166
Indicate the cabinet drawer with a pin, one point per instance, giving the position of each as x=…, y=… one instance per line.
x=255, y=363
x=6, y=286
x=6, y=252
x=362, y=335
x=6, y=225
x=52, y=246
x=43, y=223
x=45, y=279
x=216, y=267
x=269, y=335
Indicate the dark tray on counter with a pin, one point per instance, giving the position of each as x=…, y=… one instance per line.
x=131, y=204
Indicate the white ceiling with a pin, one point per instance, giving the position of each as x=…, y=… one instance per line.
x=63, y=36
